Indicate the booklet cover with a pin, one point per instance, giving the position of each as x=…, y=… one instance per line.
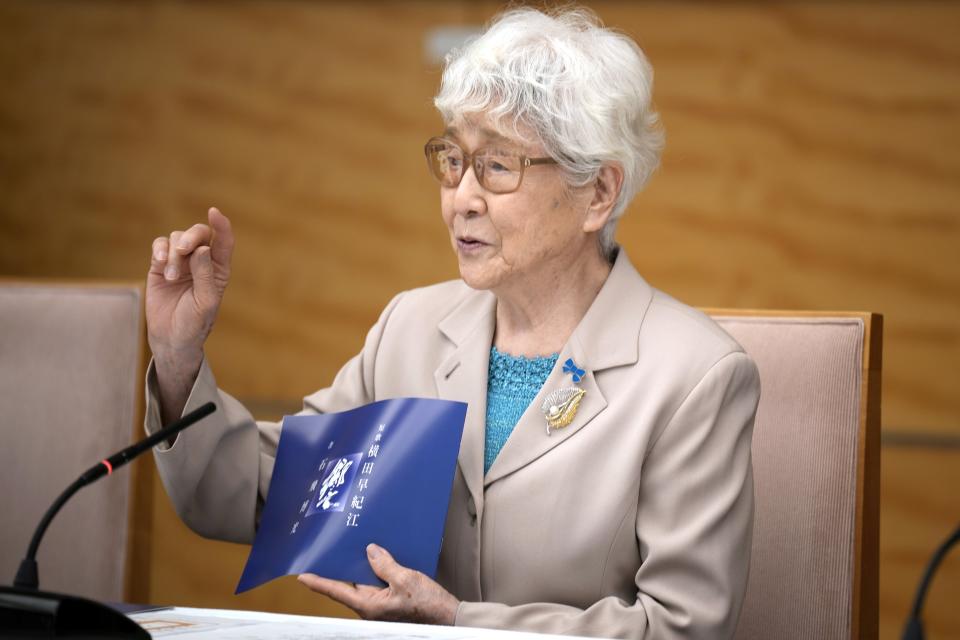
x=379, y=473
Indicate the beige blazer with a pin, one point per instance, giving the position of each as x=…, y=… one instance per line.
x=632, y=522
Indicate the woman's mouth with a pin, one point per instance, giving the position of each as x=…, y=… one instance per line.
x=470, y=245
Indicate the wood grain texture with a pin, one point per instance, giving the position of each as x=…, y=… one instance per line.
x=811, y=163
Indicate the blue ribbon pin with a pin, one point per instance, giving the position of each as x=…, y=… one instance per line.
x=571, y=367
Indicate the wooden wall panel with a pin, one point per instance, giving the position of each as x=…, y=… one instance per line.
x=811, y=163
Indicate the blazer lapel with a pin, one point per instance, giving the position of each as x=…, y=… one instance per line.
x=607, y=337
x=462, y=376
x=529, y=439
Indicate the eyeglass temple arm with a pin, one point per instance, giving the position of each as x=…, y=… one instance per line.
x=531, y=161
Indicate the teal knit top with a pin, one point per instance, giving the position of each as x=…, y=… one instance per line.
x=512, y=384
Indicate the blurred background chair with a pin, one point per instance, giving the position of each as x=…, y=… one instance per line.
x=816, y=463
x=70, y=385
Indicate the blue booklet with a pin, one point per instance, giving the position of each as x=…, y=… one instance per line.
x=379, y=473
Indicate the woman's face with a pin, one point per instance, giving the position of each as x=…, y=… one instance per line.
x=507, y=240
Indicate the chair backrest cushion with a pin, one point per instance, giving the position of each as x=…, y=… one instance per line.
x=68, y=386
x=805, y=449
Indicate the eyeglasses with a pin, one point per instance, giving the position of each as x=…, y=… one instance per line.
x=497, y=170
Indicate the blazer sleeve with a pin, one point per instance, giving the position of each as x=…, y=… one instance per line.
x=693, y=526
x=218, y=471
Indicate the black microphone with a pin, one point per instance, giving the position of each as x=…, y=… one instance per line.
x=913, y=630
x=28, y=608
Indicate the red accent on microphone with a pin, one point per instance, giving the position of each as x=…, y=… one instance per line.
x=107, y=464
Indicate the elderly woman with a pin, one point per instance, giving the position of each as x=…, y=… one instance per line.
x=604, y=484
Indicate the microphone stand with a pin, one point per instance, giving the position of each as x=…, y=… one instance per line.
x=25, y=611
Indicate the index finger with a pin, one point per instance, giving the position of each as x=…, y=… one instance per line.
x=196, y=236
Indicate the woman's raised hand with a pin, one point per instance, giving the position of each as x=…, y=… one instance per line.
x=189, y=271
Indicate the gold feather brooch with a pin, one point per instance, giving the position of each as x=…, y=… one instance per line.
x=560, y=407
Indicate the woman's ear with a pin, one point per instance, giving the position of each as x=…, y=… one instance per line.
x=606, y=191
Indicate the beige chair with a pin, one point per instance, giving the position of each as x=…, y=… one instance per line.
x=70, y=385
x=816, y=462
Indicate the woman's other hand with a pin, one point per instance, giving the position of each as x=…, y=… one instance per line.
x=409, y=596
x=189, y=271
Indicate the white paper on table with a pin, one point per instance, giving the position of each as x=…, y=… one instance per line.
x=197, y=624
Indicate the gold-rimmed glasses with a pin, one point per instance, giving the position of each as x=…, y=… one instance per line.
x=497, y=170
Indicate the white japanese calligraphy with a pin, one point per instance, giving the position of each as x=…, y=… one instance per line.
x=330, y=487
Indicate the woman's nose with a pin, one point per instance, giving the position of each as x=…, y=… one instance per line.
x=469, y=198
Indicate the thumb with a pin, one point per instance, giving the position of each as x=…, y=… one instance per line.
x=223, y=240
x=204, y=285
x=383, y=564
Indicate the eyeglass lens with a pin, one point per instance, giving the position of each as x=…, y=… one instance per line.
x=496, y=171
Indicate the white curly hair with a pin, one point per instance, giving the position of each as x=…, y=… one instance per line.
x=583, y=90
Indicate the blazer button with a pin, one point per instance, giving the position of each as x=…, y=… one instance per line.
x=473, y=520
